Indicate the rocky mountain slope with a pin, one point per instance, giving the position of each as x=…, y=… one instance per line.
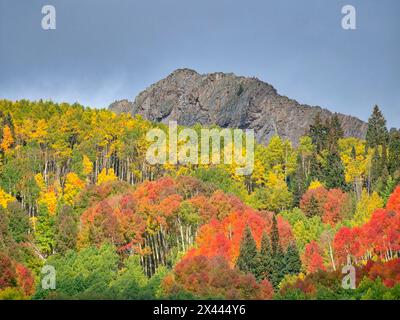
x=229, y=101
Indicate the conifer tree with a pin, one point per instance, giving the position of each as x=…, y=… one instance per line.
x=394, y=151
x=275, y=243
x=334, y=171
x=319, y=133
x=299, y=183
x=265, y=258
x=377, y=133
x=292, y=260
x=247, y=260
x=316, y=169
x=375, y=170
x=335, y=132
x=278, y=268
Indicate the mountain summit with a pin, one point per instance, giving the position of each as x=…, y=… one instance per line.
x=230, y=101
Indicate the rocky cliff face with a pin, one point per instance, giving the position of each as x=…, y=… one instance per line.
x=229, y=101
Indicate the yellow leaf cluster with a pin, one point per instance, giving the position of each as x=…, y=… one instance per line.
x=49, y=199
x=73, y=185
x=5, y=198
x=87, y=166
x=7, y=140
x=105, y=176
x=315, y=185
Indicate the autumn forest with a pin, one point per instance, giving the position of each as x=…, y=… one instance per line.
x=79, y=201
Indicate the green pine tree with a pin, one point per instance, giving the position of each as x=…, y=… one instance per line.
x=335, y=132
x=319, y=133
x=265, y=265
x=248, y=256
x=275, y=243
x=292, y=260
x=278, y=267
x=299, y=183
x=375, y=171
x=334, y=176
x=394, y=151
x=377, y=133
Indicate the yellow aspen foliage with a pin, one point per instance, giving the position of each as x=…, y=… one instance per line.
x=40, y=182
x=47, y=196
x=259, y=172
x=24, y=129
x=315, y=184
x=87, y=165
x=5, y=198
x=183, y=171
x=365, y=207
x=7, y=140
x=105, y=176
x=40, y=132
x=73, y=185
x=49, y=199
x=355, y=160
x=279, y=196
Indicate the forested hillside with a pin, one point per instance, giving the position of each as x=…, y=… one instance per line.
x=77, y=194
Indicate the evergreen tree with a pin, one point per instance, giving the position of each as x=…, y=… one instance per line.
x=316, y=169
x=384, y=158
x=247, y=260
x=377, y=133
x=375, y=171
x=299, y=183
x=275, y=243
x=394, y=151
x=319, y=133
x=278, y=267
x=335, y=132
x=334, y=176
x=265, y=258
x=292, y=260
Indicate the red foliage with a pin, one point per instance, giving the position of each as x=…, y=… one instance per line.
x=333, y=205
x=394, y=200
x=312, y=258
x=379, y=236
x=217, y=206
x=336, y=207
x=389, y=272
x=25, y=279
x=112, y=220
x=213, y=278
x=313, y=201
x=223, y=237
x=15, y=275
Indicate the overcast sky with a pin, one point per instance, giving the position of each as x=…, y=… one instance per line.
x=105, y=50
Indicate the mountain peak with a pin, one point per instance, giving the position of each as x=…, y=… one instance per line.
x=231, y=101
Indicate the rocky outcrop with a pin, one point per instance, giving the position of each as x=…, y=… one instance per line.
x=230, y=101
